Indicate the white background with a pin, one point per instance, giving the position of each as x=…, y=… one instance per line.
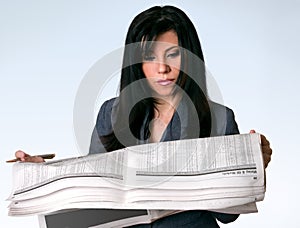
x=251, y=48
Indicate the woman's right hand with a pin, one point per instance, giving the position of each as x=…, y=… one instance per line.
x=24, y=157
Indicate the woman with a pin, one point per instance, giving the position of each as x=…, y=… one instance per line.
x=163, y=97
x=163, y=71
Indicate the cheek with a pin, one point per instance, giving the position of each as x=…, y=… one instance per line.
x=175, y=71
x=148, y=69
x=176, y=64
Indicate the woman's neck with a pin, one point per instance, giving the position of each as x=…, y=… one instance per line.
x=165, y=108
x=163, y=113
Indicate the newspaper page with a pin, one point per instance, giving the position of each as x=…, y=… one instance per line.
x=216, y=173
x=216, y=168
x=198, y=162
x=38, y=179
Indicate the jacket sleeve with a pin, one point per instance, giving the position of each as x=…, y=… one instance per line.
x=103, y=127
x=231, y=125
x=96, y=145
x=224, y=218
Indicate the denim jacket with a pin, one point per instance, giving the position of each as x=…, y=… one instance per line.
x=223, y=123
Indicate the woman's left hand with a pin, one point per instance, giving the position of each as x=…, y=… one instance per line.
x=266, y=149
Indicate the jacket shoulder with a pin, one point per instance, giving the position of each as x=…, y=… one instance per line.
x=223, y=120
x=104, y=118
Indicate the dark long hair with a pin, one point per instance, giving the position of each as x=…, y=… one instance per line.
x=134, y=107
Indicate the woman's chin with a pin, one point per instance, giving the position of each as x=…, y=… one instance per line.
x=164, y=94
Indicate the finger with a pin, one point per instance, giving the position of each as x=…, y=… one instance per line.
x=267, y=159
x=252, y=131
x=264, y=140
x=21, y=155
x=35, y=159
x=267, y=150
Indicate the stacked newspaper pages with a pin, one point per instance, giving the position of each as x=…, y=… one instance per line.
x=223, y=173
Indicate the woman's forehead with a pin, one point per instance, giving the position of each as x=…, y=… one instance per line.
x=168, y=37
x=165, y=41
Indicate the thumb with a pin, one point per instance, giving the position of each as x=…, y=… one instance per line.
x=21, y=155
x=252, y=131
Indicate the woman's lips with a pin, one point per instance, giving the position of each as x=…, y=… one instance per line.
x=165, y=82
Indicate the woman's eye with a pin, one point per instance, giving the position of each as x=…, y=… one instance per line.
x=173, y=54
x=148, y=58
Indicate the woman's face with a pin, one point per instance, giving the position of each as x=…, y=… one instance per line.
x=161, y=65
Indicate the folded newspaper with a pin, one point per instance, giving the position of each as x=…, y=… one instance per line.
x=223, y=173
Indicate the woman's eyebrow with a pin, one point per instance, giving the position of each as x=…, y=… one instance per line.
x=170, y=48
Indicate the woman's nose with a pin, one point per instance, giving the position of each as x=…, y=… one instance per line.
x=163, y=68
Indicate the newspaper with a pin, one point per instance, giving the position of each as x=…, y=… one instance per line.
x=223, y=173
